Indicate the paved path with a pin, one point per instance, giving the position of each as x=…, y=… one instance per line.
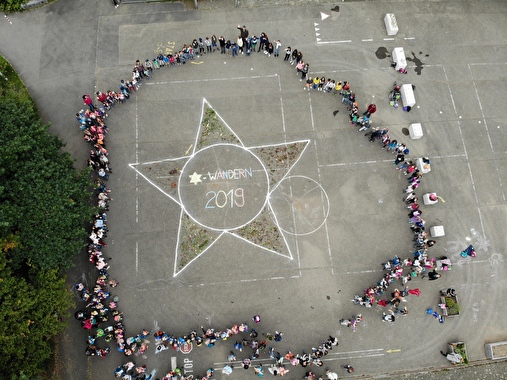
x=68, y=48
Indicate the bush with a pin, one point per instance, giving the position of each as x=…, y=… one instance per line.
x=452, y=306
x=12, y=5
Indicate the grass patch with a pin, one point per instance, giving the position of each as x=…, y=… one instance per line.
x=11, y=85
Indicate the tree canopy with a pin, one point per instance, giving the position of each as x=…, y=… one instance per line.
x=32, y=313
x=44, y=200
x=44, y=206
x=12, y=5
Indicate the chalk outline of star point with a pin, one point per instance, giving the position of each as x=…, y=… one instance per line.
x=221, y=232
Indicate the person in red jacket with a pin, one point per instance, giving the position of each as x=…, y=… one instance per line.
x=101, y=97
x=87, y=100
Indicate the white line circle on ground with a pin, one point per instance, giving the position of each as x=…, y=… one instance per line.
x=301, y=205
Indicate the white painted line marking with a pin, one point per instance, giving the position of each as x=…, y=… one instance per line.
x=362, y=271
x=353, y=357
x=210, y=80
x=464, y=149
x=409, y=38
x=388, y=39
x=137, y=257
x=357, y=352
x=385, y=161
x=367, y=40
x=281, y=108
x=137, y=160
x=487, y=132
x=356, y=163
x=486, y=63
x=173, y=363
x=335, y=42
x=241, y=281
x=344, y=355
x=137, y=201
x=328, y=240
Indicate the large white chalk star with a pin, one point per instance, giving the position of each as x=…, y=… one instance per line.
x=234, y=200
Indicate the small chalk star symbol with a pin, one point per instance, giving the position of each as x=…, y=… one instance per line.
x=195, y=178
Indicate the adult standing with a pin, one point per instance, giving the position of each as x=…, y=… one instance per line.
x=304, y=71
x=288, y=52
x=221, y=41
x=278, y=45
x=299, y=56
x=101, y=97
x=214, y=42
x=239, y=42
x=88, y=101
x=263, y=42
x=269, y=49
x=243, y=33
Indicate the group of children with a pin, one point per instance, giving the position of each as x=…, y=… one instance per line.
x=99, y=310
x=101, y=314
x=418, y=266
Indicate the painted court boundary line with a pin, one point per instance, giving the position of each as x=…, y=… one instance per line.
x=328, y=240
x=387, y=161
x=484, y=120
x=474, y=190
x=320, y=43
x=210, y=80
x=139, y=287
x=338, y=356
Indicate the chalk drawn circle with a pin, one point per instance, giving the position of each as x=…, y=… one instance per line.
x=301, y=205
x=223, y=187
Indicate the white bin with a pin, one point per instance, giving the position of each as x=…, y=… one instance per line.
x=415, y=131
x=423, y=168
x=427, y=200
x=437, y=231
x=391, y=24
x=407, y=95
x=399, y=58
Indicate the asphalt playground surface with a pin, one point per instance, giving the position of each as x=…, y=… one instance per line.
x=340, y=204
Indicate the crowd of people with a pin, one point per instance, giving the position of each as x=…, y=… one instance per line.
x=420, y=265
x=99, y=311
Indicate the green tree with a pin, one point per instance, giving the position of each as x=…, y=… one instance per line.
x=43, y=199
x=44, y=205
x=11, y=5
x=32, y=312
